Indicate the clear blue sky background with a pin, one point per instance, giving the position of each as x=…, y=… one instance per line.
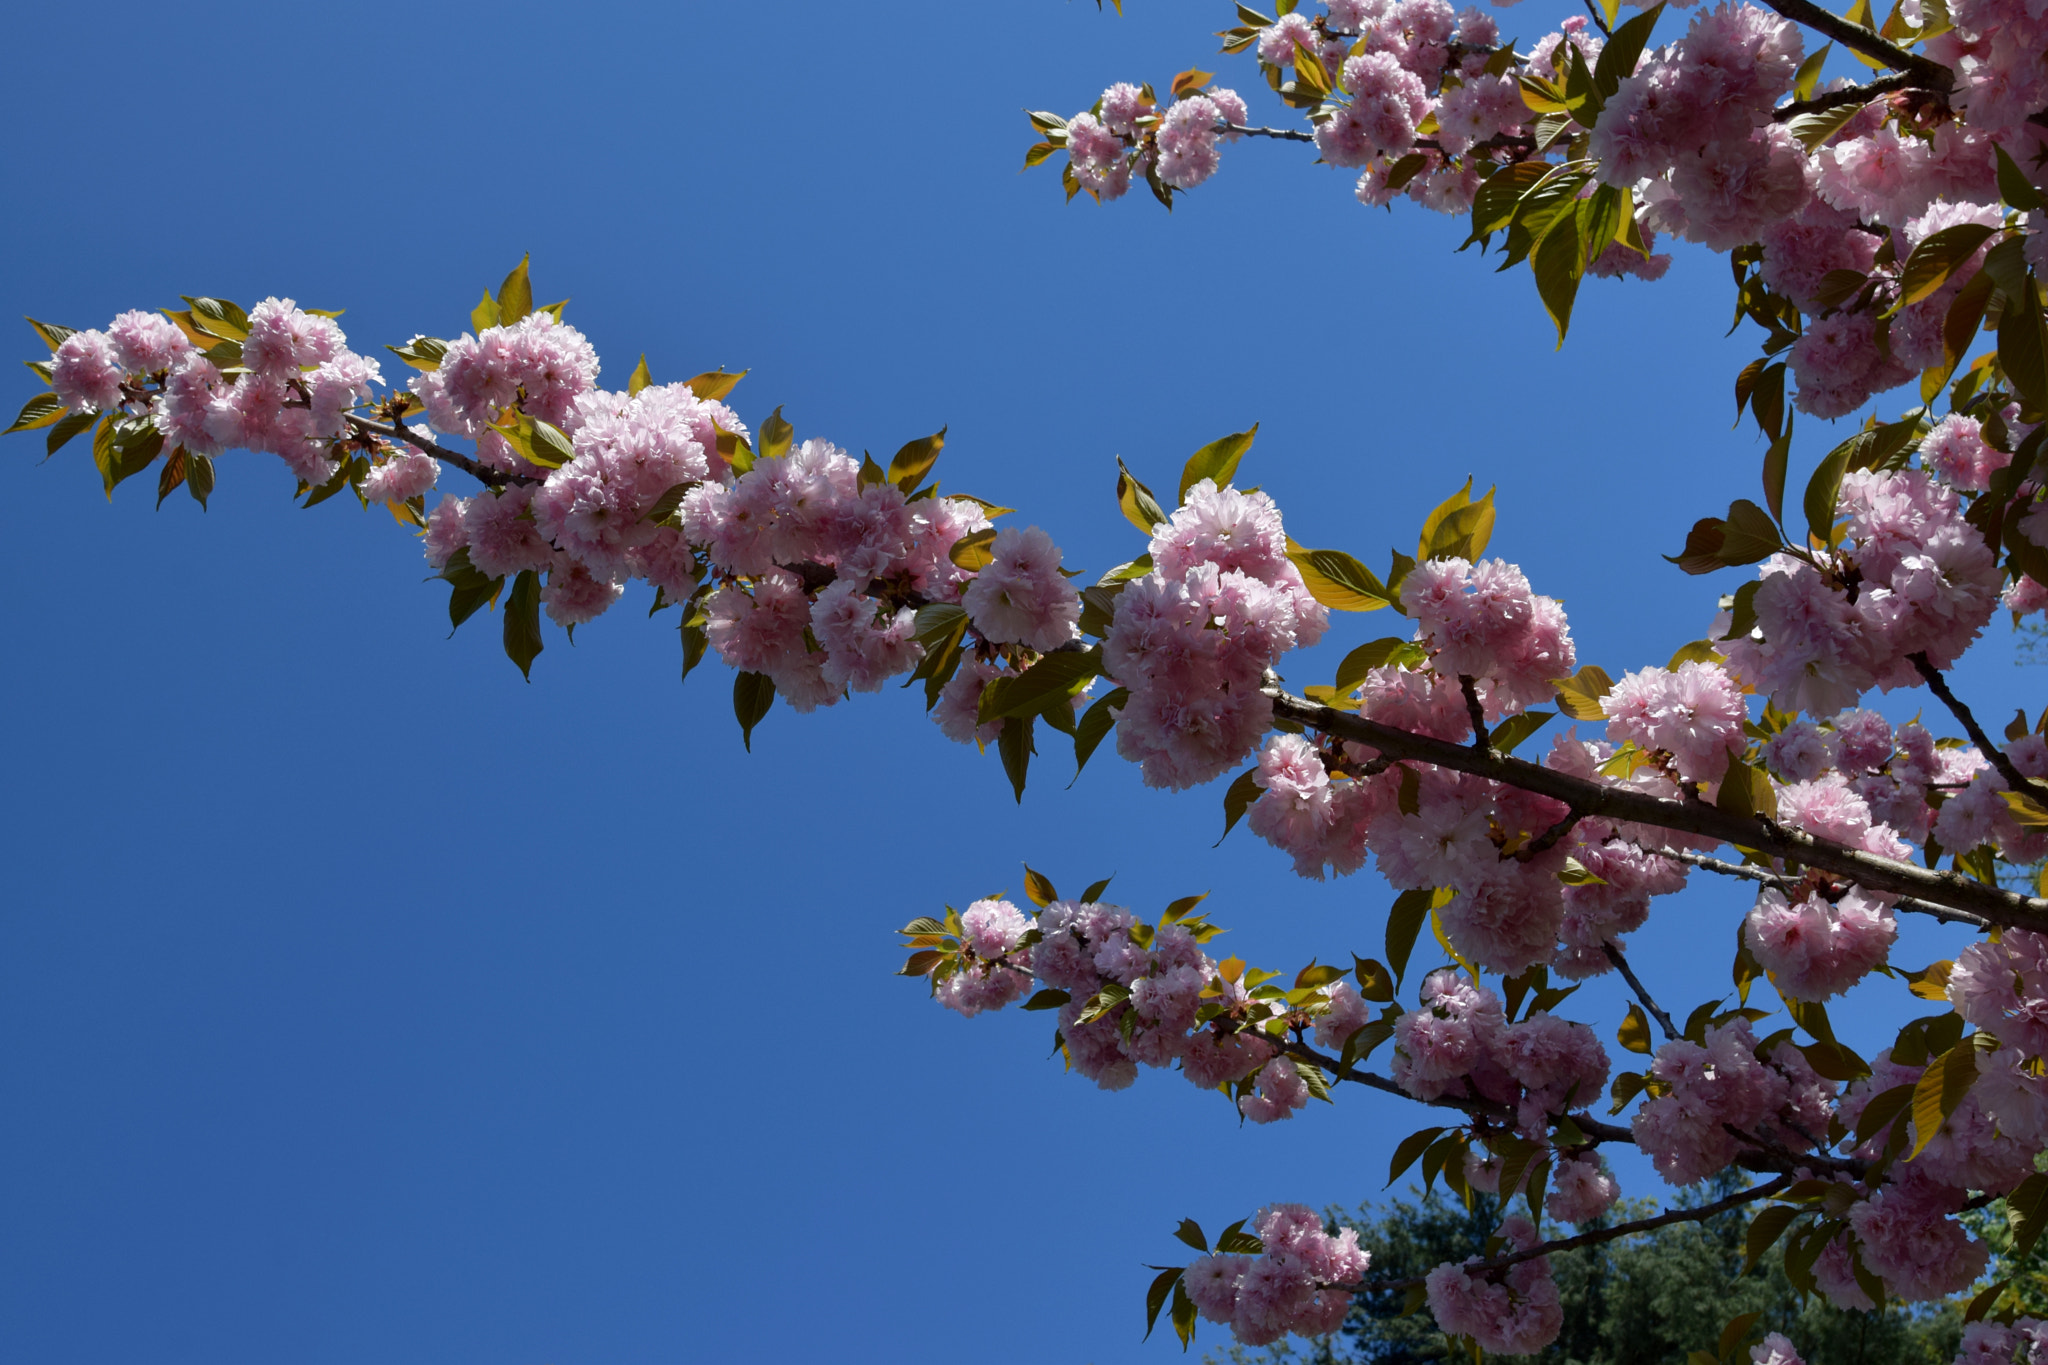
x=361, y=1001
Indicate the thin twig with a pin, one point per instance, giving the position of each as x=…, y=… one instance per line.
x=1722, y=868
x=482, y=473
x=1284, y=134
x=1698, y=1214
x=1635, y=983
x=1869, y=870
x=1481, y=741
x=1835, y=99
x=2015, y=780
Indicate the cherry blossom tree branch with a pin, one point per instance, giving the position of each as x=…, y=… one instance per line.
x=1869, y=870
x=1697, y=1214
x=1926, y=73
x=477, y=470
x=1635, y=983
x=1721, y=868
x=1283, y=134
x=1835, y=99
x=2015, y=780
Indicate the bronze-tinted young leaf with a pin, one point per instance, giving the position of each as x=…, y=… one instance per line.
x=1140, y=508
x=1038, y=887
x=1702, y=552
x=915, y=460
x=1985, y=1297
x=641, y=376
x=1163, y=1285
x=43, y=410
x=752, y=695
x=1047, y=1000
x=1409, y=1150
x=1634, y=1033
x=173, y=475
x=972, y=551
x=515, y=295
x=1807, y=79
x=776, y=435
x=1748, y=534
x=2027, y=1207
x=1579, y=695
x=1217, y=460
x=1939, y=1090
x=1183, y=1305
x=522, y=622
x=51, y=333
x=713, y=385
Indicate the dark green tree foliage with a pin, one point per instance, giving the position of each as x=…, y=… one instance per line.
x=1650, y=1299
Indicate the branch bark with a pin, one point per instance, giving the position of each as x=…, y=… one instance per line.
x=1993, y=904
x=1635, y=984
x=1587, y=1239
x=477, y=470
x=1927, y=74
x=2015, y=780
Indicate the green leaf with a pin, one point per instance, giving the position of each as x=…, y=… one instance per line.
x=2013, y=185
x=1094, y=726
x=1816, y=128
x=752, y=695
x=1411, y=1148
x=2026, y=1207
x=66, y=428
x=1376, y=654
x=1937, y=257
x=641, y=376
x=915, y=460
x=714, y=385
x=1337, y=580
x=1764, y=1230
x=1095, y=890
x=173, y=475
x=1807, y=80
x=522, y=622
x=1493, y=208
x=1053, y=681
x=1163, y=1285
x=1823, y=492
x=1737, y=1329
x=1217, y=460
x=1883, y=1108
x=696, y=640
x=484, y=315
x=1190, y=1232
x=1515, y=729
x=1048, y=1000
x=198, y=476
x=1558, y=262
x=423, y=353
x=2022, y=347
x=1988, y=1296
x=1140, y=508
x=1183, y=1306
x=1015, y=748
x=515, y=295
x=1404, y=925
x=1239, y=798
x=1618, y=59
x=470, y=588
x=972, y=551
x=43, y=410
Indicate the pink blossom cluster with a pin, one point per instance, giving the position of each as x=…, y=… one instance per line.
x=288, y=391
x=1924, y=580
x=1999, y=1343
x=1972, y=1149
x=1482, y=621
x=1815, y=948
x=1694, y=713
x=1460, y=1044
x=1708, y=1089
x=1125, y=135
x=1290, y=1286
x=1511, y=1312
x=987, y=980
x=1192, y=640
x=539, y=363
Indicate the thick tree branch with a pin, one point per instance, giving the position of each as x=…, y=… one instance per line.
x=1926, y=73
x=2015, y=780
x=1635, y=984
x=477, y=470
x=1949, y=889
x=1587, y=1239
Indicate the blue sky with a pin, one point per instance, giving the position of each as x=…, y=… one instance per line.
x=360, y=1000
